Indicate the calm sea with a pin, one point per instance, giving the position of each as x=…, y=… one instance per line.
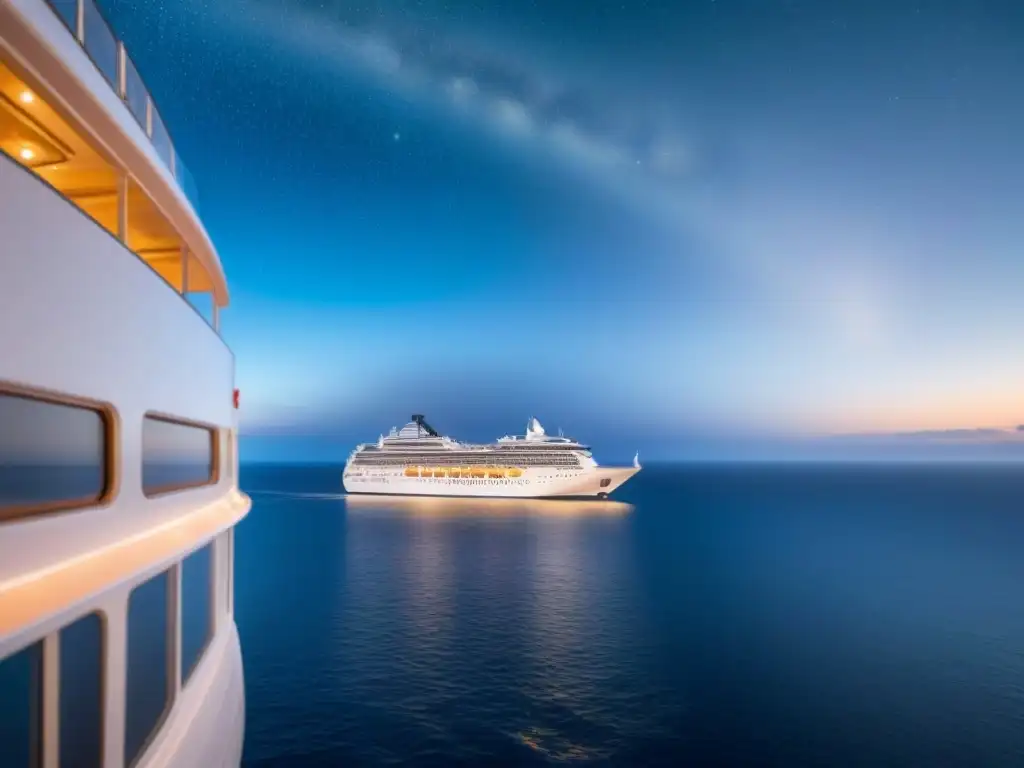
x=719, y=615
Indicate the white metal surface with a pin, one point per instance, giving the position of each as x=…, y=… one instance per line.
x=82, y=315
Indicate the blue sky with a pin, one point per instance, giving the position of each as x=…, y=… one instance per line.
x=696, y=229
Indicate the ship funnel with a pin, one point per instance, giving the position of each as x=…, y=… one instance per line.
x=419, y=419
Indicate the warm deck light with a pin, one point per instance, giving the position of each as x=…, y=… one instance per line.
x=26, y=153
x=27, y=97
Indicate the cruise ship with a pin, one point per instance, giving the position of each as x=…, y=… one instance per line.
x=118, y=419
x=418, y=460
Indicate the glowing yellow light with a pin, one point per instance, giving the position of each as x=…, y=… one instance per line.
x=27, y=97
x=26, y=153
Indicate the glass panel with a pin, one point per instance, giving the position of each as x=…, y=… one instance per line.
x=50, y=453
x=161, y=139
x=81, y=693
x=196, y=608
x=147, y=694
x=100, y=43
x=20, y=710
x=175, y=455
x=136, y=95
x=186, y=182
x=68, y=12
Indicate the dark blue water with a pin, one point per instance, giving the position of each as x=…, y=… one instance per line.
x=764, y=615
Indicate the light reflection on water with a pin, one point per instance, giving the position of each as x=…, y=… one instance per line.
x=522, y=596
x=448, y=507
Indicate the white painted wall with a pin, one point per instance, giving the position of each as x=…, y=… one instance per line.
x=82, y=315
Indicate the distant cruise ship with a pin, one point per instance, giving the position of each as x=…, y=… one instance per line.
x=417, y=460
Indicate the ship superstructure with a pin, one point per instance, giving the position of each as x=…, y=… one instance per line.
x=118, y=424
x=418, y=460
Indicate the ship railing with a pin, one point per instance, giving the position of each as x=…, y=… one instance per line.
x=90, y=28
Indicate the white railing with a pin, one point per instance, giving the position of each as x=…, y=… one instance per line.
x=87, y=24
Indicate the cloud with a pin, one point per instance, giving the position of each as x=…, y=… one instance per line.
x=591, y=150
x=462, y=90
x=583, y=126
x=987, y=435
x=639, y=153
x=513, y=116
x=954, y=445
x=670, y=157
x=375, y=53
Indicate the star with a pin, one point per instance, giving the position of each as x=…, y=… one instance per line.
x=396, y=136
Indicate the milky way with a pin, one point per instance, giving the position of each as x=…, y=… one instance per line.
x=726, y=215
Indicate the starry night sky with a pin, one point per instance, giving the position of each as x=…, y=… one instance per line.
x=673, y=226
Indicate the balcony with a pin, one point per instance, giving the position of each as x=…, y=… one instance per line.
x=85, y=22
x=62, y=125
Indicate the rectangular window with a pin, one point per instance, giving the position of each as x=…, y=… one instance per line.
x=147, y=693
x=21, y=678
x=81, y=693
x=176, y=455
x=196, y=608
x=53, y=455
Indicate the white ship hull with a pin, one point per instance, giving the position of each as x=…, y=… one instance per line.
x=595, y=482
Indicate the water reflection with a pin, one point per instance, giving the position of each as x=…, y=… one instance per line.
x=428, y=579
x=507, y=608
x=445, y=506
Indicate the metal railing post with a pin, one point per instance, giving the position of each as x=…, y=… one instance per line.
x=122, y=71
x=80, y=22
x=149, y=116
x=173, y=161
x=216, y=313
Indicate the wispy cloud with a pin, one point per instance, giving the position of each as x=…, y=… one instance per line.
x=651, y=160
x=578, y=124
x=982, y=435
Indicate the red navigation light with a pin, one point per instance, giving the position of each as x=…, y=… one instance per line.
x=236, y=398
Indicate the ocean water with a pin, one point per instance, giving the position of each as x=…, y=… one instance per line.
x=714, y=615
